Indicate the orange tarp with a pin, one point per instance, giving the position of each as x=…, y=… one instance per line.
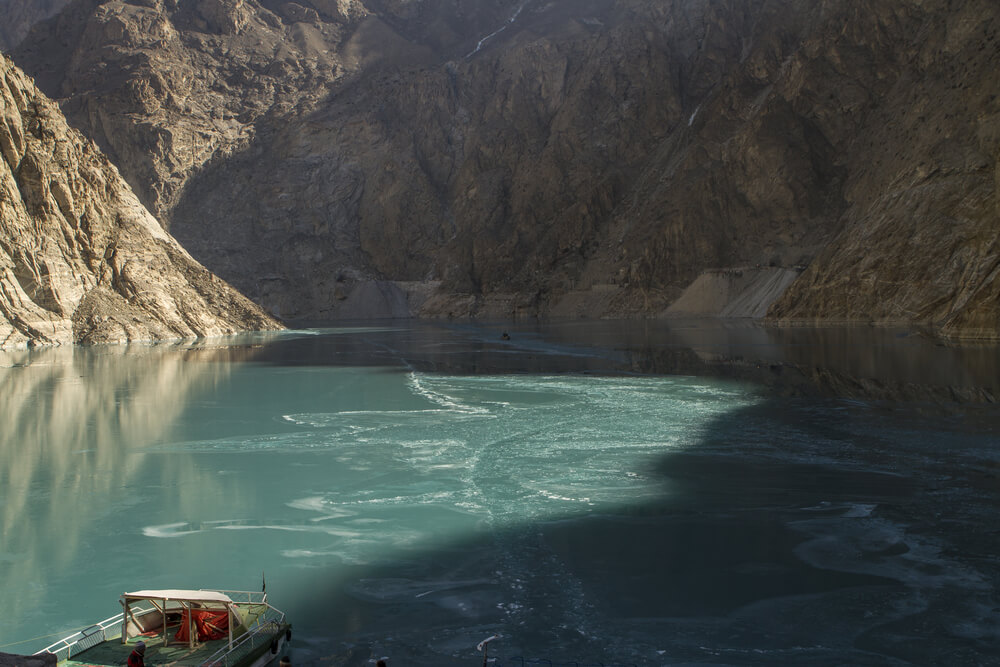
x=209, y=625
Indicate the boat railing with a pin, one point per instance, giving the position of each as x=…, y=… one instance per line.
x=260, y=633
x=242, y=597
x=86, y=638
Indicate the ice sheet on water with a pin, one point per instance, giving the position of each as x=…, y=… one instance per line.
x=858, y=510
x=178, y=529
x=319, y=505
x=507, y=448
x=424, y=387
x=459, y=454
x=543, y=504
x=385, y=589
x=879, y=547
x=184, y=528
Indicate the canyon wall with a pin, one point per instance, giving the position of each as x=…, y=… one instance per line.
x=577, y=158
x=81, y=260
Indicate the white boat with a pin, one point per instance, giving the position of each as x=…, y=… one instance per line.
x=183, y=627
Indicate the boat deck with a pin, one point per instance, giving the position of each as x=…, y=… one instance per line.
x=115, y=653
x=257, y=629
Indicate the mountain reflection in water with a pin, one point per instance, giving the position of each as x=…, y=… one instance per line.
x=72, y=420
x=646, y=492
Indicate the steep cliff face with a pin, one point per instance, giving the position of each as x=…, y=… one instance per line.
x=920, y=240
x=164, y=86
x=81, y=260
x=573, y=158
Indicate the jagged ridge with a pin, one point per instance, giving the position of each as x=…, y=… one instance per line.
x=592, y=158
x=81, y=260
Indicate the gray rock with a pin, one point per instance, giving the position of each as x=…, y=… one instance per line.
x=585, y=157
x=20, y=15
x=744, y=292
x=81, y=260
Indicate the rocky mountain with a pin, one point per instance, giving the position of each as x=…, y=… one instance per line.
x=20, y=15
x=81, y=260
x=590, y=158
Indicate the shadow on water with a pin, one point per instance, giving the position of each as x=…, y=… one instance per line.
x=843, y=516
x=749, y=558
x=863, y=538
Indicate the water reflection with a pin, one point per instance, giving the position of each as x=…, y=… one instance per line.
x=841, y=361
x=173, y=455
x=848, y=361
x=75, y=422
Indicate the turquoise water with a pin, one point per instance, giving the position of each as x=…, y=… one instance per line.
x=409, y=491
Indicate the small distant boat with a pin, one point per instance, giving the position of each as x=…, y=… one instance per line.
x=183, y=627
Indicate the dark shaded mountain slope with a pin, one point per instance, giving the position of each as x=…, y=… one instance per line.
x=20, y=15
x=562, y=158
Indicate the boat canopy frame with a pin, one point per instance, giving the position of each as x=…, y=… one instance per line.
x=267, y=622
x=182, y=600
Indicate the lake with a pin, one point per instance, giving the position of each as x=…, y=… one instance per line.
x=645, y=493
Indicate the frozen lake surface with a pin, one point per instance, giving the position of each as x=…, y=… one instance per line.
x=608, y=492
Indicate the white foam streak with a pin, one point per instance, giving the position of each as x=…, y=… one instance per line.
x=420, y=388
x=168, y=530
x=264, y=526
x=173, y=530
x=555, y=496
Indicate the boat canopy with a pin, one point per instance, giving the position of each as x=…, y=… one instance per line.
x=193, y=616
x=180, y=595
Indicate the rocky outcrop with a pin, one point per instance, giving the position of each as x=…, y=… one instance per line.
x=579, y=158
x=20, y=15
x=743, y=292
x=164, y=87
x=81, y=260
x=920, y=237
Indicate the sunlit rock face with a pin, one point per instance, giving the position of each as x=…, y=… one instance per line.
x=81, y=260
x=573, y=158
